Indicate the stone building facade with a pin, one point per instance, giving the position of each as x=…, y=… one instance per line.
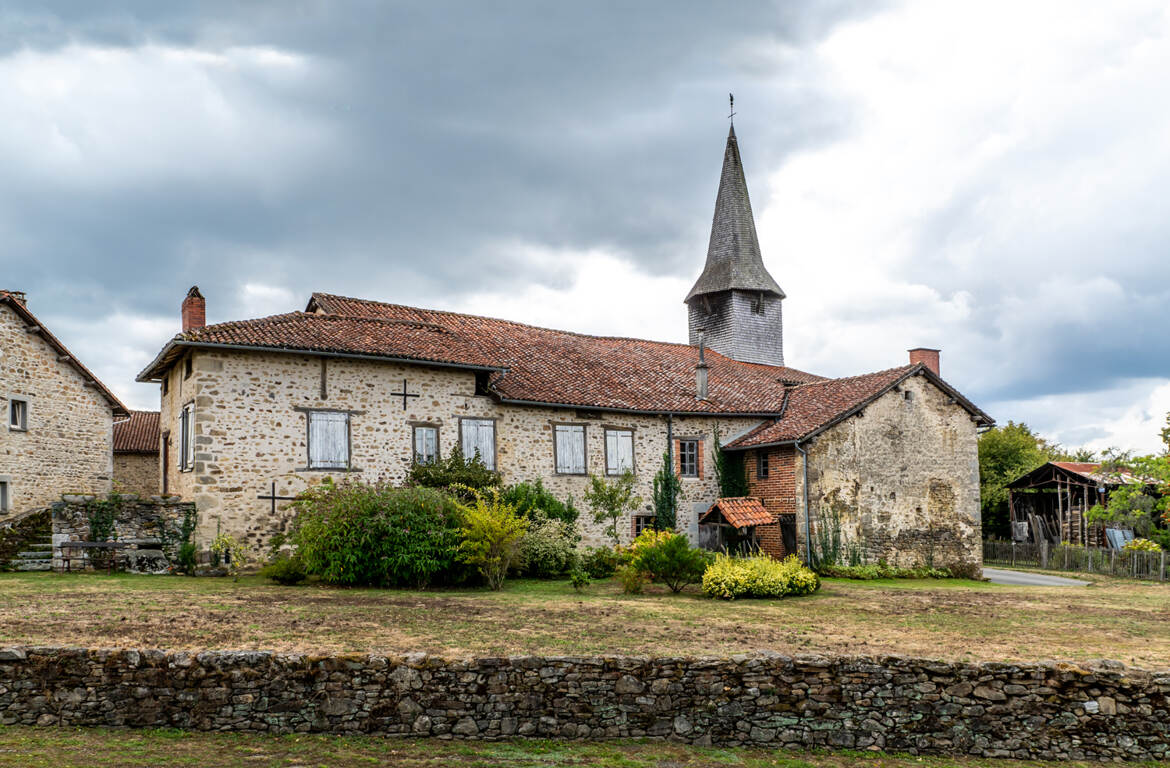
x=136, y=460
x=356, y=388
x=58, y=418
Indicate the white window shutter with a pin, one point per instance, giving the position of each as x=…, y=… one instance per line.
x=328, y=440
x=570, y=449
x=479, y=436
x=619, y=451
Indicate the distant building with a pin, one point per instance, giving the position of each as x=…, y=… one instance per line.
x=1051, y=502
x=136, y=462
x=352, y=388
x=57, y=434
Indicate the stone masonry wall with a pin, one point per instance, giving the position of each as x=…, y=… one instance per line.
x=69, y=442
x=1037, y=710
x=136, y=473
x=151, y=523
x=904, y=478
x=249, y=435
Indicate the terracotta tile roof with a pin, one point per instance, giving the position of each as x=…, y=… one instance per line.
x=16, y=303
x=739, y=511
x=813, y=407
x=138, y=434
x=532, y=364
x=1085, y=468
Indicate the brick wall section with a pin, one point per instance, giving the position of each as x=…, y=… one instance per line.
x=1039, y=711
x=136, y=473
x=248, y=435
x=777, y=491
x=69, y=443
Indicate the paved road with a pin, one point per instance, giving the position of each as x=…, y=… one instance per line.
x=1000, y=576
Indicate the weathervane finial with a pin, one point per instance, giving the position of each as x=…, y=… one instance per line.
x=731, y=116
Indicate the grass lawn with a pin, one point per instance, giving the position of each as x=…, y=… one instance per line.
x=104, y=748
x=951, y=619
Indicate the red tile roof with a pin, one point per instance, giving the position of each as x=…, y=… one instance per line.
x=1080, y=467
x=532, y=364
x=739, y=511
x=137, y=434
x=814, y=407
x=16, y=303
x=536, y=365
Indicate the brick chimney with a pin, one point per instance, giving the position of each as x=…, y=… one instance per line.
x=926, y=356
x=194, y=310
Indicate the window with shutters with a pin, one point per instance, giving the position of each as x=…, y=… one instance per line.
x=18, y=414
x=619, y=451
x=478, y=438
x=688, y=458
x=426, y=444
x=569, y=448
x=328, y=440
x=187, y=438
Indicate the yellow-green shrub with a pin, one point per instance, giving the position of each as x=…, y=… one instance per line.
x=758, y=576
x=1142, y=545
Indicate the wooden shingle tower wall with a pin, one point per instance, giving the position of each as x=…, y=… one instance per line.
x=735, y=302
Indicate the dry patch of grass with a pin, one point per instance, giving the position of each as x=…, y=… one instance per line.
x=939, y=619
x=22, y=747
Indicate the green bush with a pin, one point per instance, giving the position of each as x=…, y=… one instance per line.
x=758, y=576
x=548, y=548
x=669, y=559
x=601, y=563
x=1142, y=545
x=579, y=579
x=881, y=571
x=351, y=533
x=531, y=498
x=633, y=579
x=285, y=570
x=455, y=475
x=492, y=536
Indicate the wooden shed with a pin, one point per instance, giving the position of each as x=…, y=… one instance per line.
x=729, y=525
x=1050, y=502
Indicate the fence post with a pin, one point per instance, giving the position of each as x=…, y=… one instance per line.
x=1112, y=562
x=1044, y=554
x=1162, y=567
x=1066, y=558
x=1013, y=552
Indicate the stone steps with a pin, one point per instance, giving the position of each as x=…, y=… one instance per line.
x=37, y=557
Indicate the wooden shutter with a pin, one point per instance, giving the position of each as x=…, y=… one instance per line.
x=570, y=449
x=619, y=451
x=328, y=440
x=187, y=437
x=479, y=436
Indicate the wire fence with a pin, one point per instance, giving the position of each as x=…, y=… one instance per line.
x=1133, y=564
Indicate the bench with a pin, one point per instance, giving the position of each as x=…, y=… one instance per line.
x=80, y=550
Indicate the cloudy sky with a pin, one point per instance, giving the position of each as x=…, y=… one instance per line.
x=989, y=178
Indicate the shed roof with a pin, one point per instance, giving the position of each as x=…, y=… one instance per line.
x=137, y=434
x=739, y=511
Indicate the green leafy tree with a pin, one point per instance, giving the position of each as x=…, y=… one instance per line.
x=611, y=500
x=1005, y=453
x=729, y=471
x=667, y=488
x=531, y=499
x=1141, y=497
x=493, y=535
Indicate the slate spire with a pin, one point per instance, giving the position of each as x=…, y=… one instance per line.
x=733, y=254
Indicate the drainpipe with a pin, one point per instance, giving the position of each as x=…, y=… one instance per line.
x=807, y=527
x=670, y=455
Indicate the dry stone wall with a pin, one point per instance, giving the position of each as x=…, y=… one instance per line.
x=68, y=445
x=1037, y=710
x=152, y=525
x=249, y=434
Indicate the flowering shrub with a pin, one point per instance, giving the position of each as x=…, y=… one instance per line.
x=549, y=547
x=1142, y=545
x=758, y=576
x=601, y=563
x=492, y=536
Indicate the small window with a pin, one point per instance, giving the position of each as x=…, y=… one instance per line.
x=328, y=440
x=5, y=504
x=426, y=445
x=188, y=366
x=758, y=304
x=187, y=438
x=642, y=523
x=762, y=464
x=165, y=384
x=569, y=448
x=17, y=414
x=619, y=451
x=478, y=438
x=688, y=458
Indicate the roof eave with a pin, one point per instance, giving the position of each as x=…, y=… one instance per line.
x=150, y=373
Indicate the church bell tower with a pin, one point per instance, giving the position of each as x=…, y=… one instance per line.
x=735, y=303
